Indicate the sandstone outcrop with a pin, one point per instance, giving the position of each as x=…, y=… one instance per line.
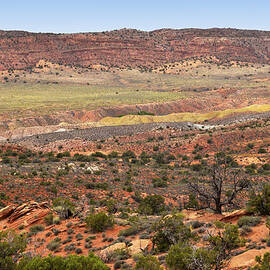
x=25, y=214
x=131, y=48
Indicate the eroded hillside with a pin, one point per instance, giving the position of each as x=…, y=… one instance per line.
x=128, y=47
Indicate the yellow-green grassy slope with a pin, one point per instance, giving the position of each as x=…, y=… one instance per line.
x=181, y=117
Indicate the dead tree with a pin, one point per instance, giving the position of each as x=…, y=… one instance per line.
x=221, y=186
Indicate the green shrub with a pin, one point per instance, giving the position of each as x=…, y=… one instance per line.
x=78, y=250
x=11, y=246
x=268, y=223
x=49, y=219
x=152, y=205
x=266, y=167
x=223, y=243
x=64, y=207
x=192, y=202
x=79, y=237
x=118, y=254
x=245, y=230
x=147, y=263
x=183, y=257
x=248, y=221
x=133, y=230
x=196, y=224
x=53, y=245
x=158, y=182
x=170, y=230
x=111, y=206
x=219, y=224
x=117, y=265
x=21, y=227
x=263, y=262
x=72, y=262
x=260, y=203
x=262, y=150
x=37, y=228
x=99, y=222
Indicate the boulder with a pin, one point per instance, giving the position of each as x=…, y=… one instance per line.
x=107, y=252
x=246, y=259
x=139, y=246
x=7, y=211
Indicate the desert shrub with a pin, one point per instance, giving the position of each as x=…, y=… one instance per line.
x=192, y=202
x=11, y=246
x=99, y=155
x=49, y=219
x=263, y=263
x=260, y=203
x=268, y=242
x=56, y=220
x=55, y=231
x=196, y=167
x=266, y=167
x=113, y=154
x=118, y=265
x=2, y=204
x=184, y=257
x=196, y=224
x=89, y=238
x=129, y=188
x=69, y=239
x=37, y=228
x=78, y=250
x=245, y=230
x=229, y=237
x=133, y=230
x=145, y=236
x=71, y=262
x=54, y=245
x=21, y=227
x=169, y=231
x=224, y=243
x=91, y=185
x=111, y=206
x=64, y=207
x=201, y=230
x=88, y=245
x=160, y=159
x=219, y=224
x=82, y=158
x=69, y=224
x=248, y=221
x=70, y=231
x=6, y=160
x=250, y=145
x=128, y=154
x=48, y=234
x=147, y=263
x=3, y=196
x=99, y=222
x=118, y=254
x=268, y=223
x=79, y=237
x=262, y=150
x=152, y=205
x=70, y=247
x=158, y=182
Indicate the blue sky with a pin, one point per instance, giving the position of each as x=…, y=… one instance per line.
x=99, y=15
